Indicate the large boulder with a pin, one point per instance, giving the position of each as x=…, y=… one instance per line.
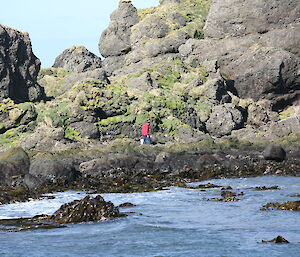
x=274, y=152
x=266, y=72
x=108, y=165
x=143, y=83
x=14, y=165
x=115, y=40
x=77, y=59
x=74, y=78
x=224, y=119
x=51, y=169
x=19, y=67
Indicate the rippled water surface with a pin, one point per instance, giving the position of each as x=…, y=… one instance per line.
x=175, y=222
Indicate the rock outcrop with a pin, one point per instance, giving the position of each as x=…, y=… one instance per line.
x=115, y=40
x=77, y=59
x=86, y=210
x=150, y=36
x=255, y=45
x=73, y=65
x=19, y=67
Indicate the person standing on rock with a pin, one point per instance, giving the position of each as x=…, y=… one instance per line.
x=146, y=140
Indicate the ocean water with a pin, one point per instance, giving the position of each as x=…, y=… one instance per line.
x=174, y=222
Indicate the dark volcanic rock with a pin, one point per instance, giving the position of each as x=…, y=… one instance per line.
x=19, y=67
x=277, y=240
x=115, y=40
x=14, y=164
x=287, y=206
x=241, y=17
x=85, y=210
x=264, y=72
x=274, y=152
x=256, y=45
x=127, y=204
x=77, y=59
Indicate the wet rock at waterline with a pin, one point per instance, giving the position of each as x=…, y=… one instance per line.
x=287, y=206
x=276, y=240
x=88, y=209
x=85, y=210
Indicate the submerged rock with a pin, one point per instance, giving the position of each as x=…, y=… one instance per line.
x=264, y=188
x=127, y=204
x=287, y=206
x=277, y=240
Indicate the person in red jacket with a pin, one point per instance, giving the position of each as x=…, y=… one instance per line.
x=145, y=134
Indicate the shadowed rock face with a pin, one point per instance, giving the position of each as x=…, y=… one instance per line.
x=19, y=67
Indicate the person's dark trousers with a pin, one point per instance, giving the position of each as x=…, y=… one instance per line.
x=147, y=139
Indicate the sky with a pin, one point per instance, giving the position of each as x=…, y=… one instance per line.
x=56, y=25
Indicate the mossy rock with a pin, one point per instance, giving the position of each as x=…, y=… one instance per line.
x=52, y=80
x=56, y=114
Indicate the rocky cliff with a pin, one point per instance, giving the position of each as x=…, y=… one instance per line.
x=217, y=80
x=256, y=46
x=19, y=67
x=196, y=69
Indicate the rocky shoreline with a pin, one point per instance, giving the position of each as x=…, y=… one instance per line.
x=217, y=88
x=129, y=167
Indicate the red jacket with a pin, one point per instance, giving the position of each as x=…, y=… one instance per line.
x=145, y=129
